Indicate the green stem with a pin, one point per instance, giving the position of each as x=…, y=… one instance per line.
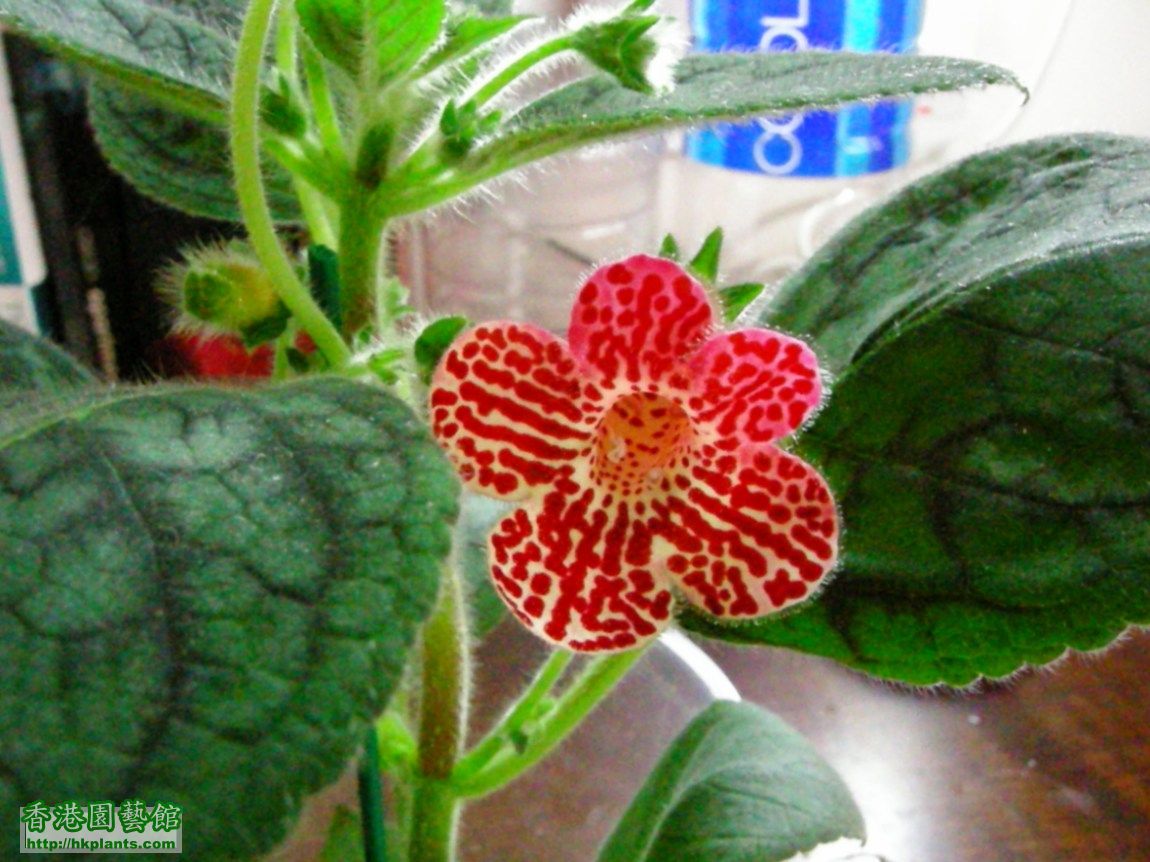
x=323, y=104
x=511, y=73
x=444, y=677
x=361, y=243
x=594, y=683
x=245, y=147
x=521, y=712
x=371, y=802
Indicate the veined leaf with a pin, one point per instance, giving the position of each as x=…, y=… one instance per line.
x=209, y=595
x=714, y=87
x=738, y=785
x=988, y=437
x=178, y=50
x=379, y=38
x=28, y=363
x=178, y=161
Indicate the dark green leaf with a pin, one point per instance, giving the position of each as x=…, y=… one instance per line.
x=209, y=594
x=738, y=785
x=713, y=87
x=181, y=50
x=180, y=162
x=988, y=438
x=477, y=518
x=28, y=363
x=435, y=339
x=323, y=275
x=705, y=265
x=380, y=39
x=737, y=297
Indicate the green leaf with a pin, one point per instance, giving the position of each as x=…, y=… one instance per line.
x=380, y=38
x=715, y=87
x=323, y=276
x=489, y=7
x=467, y=33
x=705, y=264
x=177, y=50
x=477, y=518
x=28, y=363
x=738, y=785
x=670, y=248
x=180, y=162
x=988, y=438
x=209, y=595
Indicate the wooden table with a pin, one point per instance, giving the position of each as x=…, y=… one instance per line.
x=1052, y=766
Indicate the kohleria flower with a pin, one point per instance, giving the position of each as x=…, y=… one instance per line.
x=642, y=450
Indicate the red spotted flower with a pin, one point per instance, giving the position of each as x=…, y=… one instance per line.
x=642, y=450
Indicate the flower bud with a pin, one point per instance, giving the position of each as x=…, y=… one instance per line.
x=222, y=289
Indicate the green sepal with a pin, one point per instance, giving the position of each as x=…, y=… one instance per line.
x=621, y=47
x=266, y=330
x=735, y=299
x=670, y=248
x=705, y=265
x=282, y=107
x=434, y=341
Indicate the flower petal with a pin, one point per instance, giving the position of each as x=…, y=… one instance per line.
x=506, y=404
x=749, y=533
x=576, y=570
x=753, y=386
x=635, y=320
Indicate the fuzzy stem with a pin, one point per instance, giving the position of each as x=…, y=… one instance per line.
x=245, y=148
x=445, y=677
x=361, y=243
x=596, y=682
x=520, y=713
x=512, y=72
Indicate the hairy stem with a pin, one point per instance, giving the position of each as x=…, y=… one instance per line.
x=361, y=243
x=500, y=736
x=593, y=684
x=444, y=677
x=245, y=148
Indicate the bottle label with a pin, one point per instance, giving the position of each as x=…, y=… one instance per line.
x=857, y=140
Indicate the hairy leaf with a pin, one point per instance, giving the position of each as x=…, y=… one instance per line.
x=714, y=87
x=208, y=595
x=988, y=438
x=379, y=38
x=178, y=161
x=30, y=363
x=738, y=785
x=181, y=50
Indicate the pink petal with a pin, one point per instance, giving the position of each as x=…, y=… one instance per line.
x=576, y=569
x=749, y=533
x=753, y=386
x=636, y=319
x=506, y=404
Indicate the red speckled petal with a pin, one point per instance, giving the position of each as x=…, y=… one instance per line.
x=507, y=405
x=753, y=386
x=749, y=534
x=576, y=569
x=636, y=320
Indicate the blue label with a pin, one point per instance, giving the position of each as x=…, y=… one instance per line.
x=858, y=140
